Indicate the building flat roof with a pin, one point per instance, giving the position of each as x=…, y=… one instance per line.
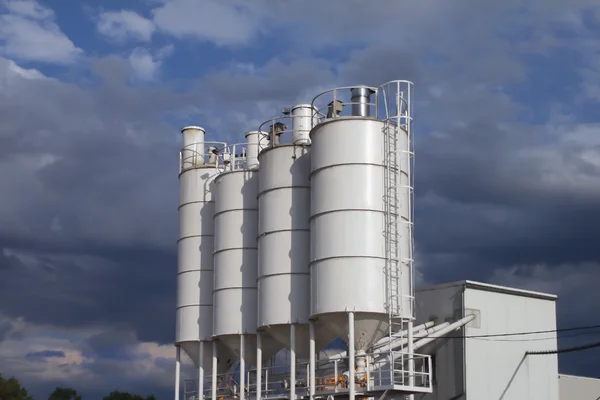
x=493, y=288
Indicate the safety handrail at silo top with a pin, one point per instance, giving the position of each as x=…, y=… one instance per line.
x=232, y=157
x=200, y=155
x=276, y=127
x=290, y=123
x=389, y=101
x=332, y=103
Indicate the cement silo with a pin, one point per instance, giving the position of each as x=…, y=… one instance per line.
x=361, y=214
x=198, y=169
x=235, y=249
x=284, y=236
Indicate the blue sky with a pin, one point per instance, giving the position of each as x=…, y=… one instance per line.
x=92, y=97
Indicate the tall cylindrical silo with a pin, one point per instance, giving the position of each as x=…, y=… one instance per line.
x=361, y=219
x=235, y=250
x=194, y=312
x=284, y=238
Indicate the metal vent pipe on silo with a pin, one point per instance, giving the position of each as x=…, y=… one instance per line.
x=194, y=309
x=255, y=142
x=361, y=101
x=303, y=119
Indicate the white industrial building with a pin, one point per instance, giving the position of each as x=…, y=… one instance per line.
x=471, y=367
x=303, y=235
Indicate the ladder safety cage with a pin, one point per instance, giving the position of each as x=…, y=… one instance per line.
x=396, y=104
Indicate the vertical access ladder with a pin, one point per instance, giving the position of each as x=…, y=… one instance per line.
x=398, y=162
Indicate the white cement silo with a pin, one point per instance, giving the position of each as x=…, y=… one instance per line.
x=194, y=311
x=284, y=235
x=347, y=222
x=235, y=249
x=283, y=242
x=360, y=224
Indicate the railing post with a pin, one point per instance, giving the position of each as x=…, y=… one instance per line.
x=267, y=381
x=335, y=373
x=430, y=372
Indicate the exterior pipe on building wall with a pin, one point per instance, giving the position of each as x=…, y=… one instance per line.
x=429, y=336
x=384, y=344
x=448, y=329
x=420, y=343
x=401, y=337
x=400, y=334
x=418, y=335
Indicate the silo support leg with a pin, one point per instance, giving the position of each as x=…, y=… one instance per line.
x=177, y=371
x=214, y=370
x=293, y=361
x=201, y=372
x=258, y=365
x=312, y=360
x=242, y=368
x=351, y=356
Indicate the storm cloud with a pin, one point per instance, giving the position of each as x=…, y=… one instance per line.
x=507, y=155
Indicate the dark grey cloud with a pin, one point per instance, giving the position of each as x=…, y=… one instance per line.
x=89, y=222
x=5, y=328
x=88, y=168
x=42, y=355
x=134, y=290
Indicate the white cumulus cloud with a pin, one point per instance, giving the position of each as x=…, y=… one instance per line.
x=28, y=31
x=146, y=65
x=219, y=22
x=125, y=24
